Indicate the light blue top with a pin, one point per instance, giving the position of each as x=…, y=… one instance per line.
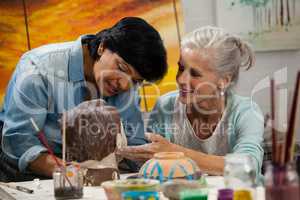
x=243, y=133
x=47, y=81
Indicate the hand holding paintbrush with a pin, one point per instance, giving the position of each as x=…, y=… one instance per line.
x=43, y=140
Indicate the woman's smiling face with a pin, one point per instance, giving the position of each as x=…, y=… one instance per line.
x=197, y=78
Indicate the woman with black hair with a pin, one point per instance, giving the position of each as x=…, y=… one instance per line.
x=53, y=78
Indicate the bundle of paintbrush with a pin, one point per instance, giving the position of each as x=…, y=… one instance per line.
x=283, y=151
x=281, y=178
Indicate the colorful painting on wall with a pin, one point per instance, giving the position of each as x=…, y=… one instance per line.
x=270, y=25
x=53, y=21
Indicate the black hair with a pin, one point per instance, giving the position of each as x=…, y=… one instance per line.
x=135, y=41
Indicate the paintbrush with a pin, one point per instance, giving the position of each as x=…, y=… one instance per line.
x=274, y=139
x=44, y=142
x=17, y=187
x=43, y=139
x=290, y=136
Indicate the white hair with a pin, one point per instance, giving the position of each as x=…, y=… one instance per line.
x=230, y=53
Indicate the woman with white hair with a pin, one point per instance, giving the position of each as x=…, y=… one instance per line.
x=204, y=118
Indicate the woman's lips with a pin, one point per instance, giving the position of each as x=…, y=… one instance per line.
x=110, y=89
x=184, y=92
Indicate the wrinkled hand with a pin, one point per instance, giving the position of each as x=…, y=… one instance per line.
x=146, y=151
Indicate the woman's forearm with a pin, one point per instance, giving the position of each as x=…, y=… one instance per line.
x=44, y=165
x=210, y=164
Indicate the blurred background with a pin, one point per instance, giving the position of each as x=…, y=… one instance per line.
x=26, y=24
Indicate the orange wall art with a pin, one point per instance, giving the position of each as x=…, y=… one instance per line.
x=26, y=24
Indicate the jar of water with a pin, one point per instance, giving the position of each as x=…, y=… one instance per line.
x=68, y=182
x=239, y=171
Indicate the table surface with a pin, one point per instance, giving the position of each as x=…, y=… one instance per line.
x=45, y=190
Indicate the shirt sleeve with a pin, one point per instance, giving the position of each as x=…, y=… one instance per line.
x=249, y=135
x=29, y=99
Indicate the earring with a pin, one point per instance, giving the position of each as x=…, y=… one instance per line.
x=222, y=89
x=222, y=92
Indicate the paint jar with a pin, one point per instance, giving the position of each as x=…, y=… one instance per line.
x=195, y=194
x=225, y=194
x=68, y=182
x=140, y=195
x=282, y=182
x=242, y=195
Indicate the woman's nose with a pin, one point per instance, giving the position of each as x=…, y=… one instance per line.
x=124, y=83
x=183, y=78
x=114, y=83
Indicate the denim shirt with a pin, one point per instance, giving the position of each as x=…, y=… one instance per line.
x=46, y=82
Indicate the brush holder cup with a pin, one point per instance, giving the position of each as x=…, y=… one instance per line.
x=68, y=182
x=282, y=182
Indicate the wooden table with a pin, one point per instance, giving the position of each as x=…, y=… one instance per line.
x=46, y=192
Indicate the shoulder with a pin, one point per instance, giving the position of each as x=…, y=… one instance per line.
x=44, y=51
x=242, y=103
x=244, y=109
x=47, y=59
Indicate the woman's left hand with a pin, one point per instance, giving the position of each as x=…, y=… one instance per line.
x=146, y=151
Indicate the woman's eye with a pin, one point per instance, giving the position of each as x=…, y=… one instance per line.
x=195, y=73
x=121, y=68
x=180, y=67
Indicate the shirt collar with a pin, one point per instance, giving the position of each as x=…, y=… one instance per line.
x=76, y=62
